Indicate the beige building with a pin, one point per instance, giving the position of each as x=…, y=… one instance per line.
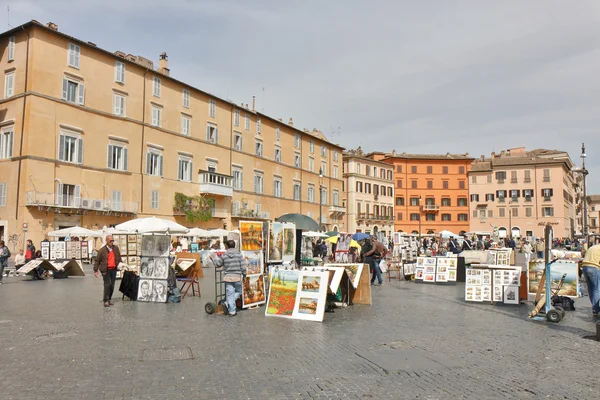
x=594, y=213
x=93, y=138
x=521, y=191
x=369, y=194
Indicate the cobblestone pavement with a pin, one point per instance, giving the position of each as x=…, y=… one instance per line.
x=417, y=341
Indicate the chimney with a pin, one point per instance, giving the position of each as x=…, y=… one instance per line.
x=120, y=54
x=291, y=123
x=163, y=64
x=52, y=26
x=246, y=106
x=253, y=102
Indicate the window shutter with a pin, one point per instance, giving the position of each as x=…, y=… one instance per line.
x=77, y=196
x=59, y=189
x=190, y=173
x=61, y=147
x=123, y=107
x=160, y=165
x=109, y=152
x=65, y=89
x=148, y=161
x=80, y=151
x=125, y=159
x=9, y=150
x=81, y=94
x=551, y=192
x=11, y=48
x=116, y=105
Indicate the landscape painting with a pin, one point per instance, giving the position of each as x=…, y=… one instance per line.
x=311, y=283
x=559, y=268
x=334, y=279
x=353, y=271
x=312, y=297
x=251, y=235
x=253, y=290
x=255, y=262
x=308, y=305
x=275, y=244
x=282, y=292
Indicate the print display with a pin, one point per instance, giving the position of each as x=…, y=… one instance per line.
x=282, y=292
x=503, y=257
x=568, y=268
x=156, y=245
x=154, y=265
x=145, y=290
x=255, y=262
x=289, y=242
x=488, y=283
x=251, y=234
x=511, y=294
x=275, y=242
x=341, y=257
x=312, y=295
x=343, y=243
x=253, y=290
x=334, y=279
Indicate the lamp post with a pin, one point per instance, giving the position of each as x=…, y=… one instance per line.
x=320, y=198
x=585, y=209
x=419, y=223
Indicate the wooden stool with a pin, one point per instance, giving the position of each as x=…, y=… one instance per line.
x=191, y=281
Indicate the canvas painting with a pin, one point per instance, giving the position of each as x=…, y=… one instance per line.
x=183, y=264
x=145, y=290
x=334, y=279
x=559, y=268
x=156, y=245
x=312, y=296
x=255, y=262
x=419, y=273
x=511, y=294
x=491, y=258
x=397, y=238
x=235, y=236
x=45, y=252
x=132, y=260
x=443, y=261
x=289, y=242
x=429, y=269
x=344, y=242
x=282, y=292
x=353, y=271
x=275, y=243
x=251, y=234
x=253, y=290
x=452, y=275
x=429, y=277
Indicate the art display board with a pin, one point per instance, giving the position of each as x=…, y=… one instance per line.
x=45, y=249
x=341, y=256
x=275, y=242
x=130, y=249
x=154, y=265
x=152, y=290
x=71, y=267
x=343, y=243
x=488, y=282
x=283, y=287
x=311, y=295
x=429, y=268
x=251, y=235
x=335, y=278
x=570, y=287
x=447, y=265
x=33, y=264
x=359, y=284
x=499, y=256
x=253, y=290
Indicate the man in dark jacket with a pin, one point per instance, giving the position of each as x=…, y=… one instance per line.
x=107, y=261
x=234, y=268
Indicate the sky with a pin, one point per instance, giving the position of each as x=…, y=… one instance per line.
x=461, y=76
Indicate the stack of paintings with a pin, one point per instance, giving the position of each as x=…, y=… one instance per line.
x=154, y=268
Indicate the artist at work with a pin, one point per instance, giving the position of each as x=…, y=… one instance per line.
x=234, y=268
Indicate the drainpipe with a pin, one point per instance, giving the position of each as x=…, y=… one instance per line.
x=22, y=126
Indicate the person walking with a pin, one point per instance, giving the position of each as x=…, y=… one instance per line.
x=107, y=261
x=4, y=256
x=591, y=272
x=527, y=250
x=377, y=253
x=234, y=269
x=30, y=251
x=539, y=248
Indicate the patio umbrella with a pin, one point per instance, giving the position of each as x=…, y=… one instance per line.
x=446, y=234
x=152, y=225
x=360, y=236
x=198, y=232
x=314, y=234
x=303, y=222
x=218, y=232
x=75, y=231
x=332, y=233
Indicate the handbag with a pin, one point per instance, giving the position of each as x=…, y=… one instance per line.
x=383, y=266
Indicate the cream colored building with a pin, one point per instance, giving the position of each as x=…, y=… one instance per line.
x=522, y=191
x=594, y=213
x=369, y=194
x=93, y=138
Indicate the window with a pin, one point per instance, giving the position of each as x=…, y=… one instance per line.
x=277, y=190
x=247, y=122
x=430, y=201
x=277, y=154
x=528, y=211
x=297, y=190
x=117, y=157
x=323, y=168
x=156, y=86
x=490, y=213
x=323, y=196
x=546, y=175
x=74, y=55
x=461, y=184
x=527, y=177
x=463, y=217
x=212, y=109
x=311, y=164
x=358, y=168
x=528, y=194
x=11, y=48
x=154, y=163
x=399, y=169
x=514, y=194
x=6, y=143
x=390, y=175
x=547, y=193
x=186, y=123
x=489, y=197
x=399, y=216
x=236, y=118
x=277, y=134
x=446, y=217
x=474, y=198
x=297, y=160
x=70, y=148
x=184, y=169
x=119, y=72
x=212, y=133
x=335, y=171
x=445, y=170
x=238, y=179
x=116, y=203
x=297, y=140
x=461, y=169
x=500, y=176
x=547, y=212
x=9, y=84
x=413, y=169
x=156, y=116
x=335, y=155
x=312, y=146
x=444, y=184
x=258, y=149
x=413, y=184
x=368, y=188
x=323, y=151
x=429, y=169
x=311, y=194
x=482, y=213
x=258, y=126
x=118, y=105
x=186, y=100
x=336, y=198
x=68, y=195
x=502, y=212
x=358, y=208
x=73, y=91
x=2, y=194
x=473, y=179
x=515, y=212
x=258, y=183
x=414, y=201
x=237, y=141
x=501, y=195
x=489, y=178
x=154, y=199
x=513, y=177
x=462, y=201
x=430, y=217
x=359, y=187
x=429, y=184
x=446, y=202
x=390, y=191
x=414, y=217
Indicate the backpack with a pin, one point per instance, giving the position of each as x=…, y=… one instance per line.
x=5, y=254
x=565, y=302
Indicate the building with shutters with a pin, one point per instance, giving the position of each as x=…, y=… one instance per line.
x=522, y=191
x=93, y=138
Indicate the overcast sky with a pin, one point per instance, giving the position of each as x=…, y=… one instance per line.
x=416, y=76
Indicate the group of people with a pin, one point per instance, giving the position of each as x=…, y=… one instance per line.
x=20, y=259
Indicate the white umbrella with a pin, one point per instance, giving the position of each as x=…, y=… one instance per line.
x=314, y=234
x=446, y=234
x=218, y=232
x=198, y=232
x=75, y=231
x=152, y=225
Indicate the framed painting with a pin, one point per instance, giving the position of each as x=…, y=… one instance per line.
x=511, y=294
x=275, y=242
x=343, y=243
x=312, y=295
x=289, y=241
x=253, y=290
x=429, y=277
x=334, y=279
x=156, y=245
x=353, y=271
x=255, y=262
x=419, y=273
x=568, y=268
x=282, y=293
x=145, y=290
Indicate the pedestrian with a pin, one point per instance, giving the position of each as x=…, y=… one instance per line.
x=30, y=251
x=527, y=250
x=4, y=256
x=234, y=269
x=539, y=248
x=376, y=253
x=19, y=260
x=434, y=247
x=107, y=261
x=591, y=272
x=453, y=246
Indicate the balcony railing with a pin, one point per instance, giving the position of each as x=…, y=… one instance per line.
x=547, y=198
x=501, y=199
x=218, y=184
x=337, y=210
x=546, y=179
x=248, y=213
x=514, y=199
x=375, y=217
x=63, y=201
x=431, y=207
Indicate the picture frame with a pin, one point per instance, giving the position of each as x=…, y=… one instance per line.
x=511, y=294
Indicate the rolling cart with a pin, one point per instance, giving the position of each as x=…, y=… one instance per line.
x=218, y=306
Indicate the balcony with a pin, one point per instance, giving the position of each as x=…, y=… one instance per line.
x=337, y=210
x=216, y=184
x=374, y=217
x=514, y=199
x=546, y=179
x=547, y=198
x=77, y=205
x=528, y=199
x=431, y=207
x=501, y=199
x=250, y=214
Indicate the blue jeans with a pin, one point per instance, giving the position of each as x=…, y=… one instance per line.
x=540, y=254
x=592, y=277
x=376, y=271
x=233, y=291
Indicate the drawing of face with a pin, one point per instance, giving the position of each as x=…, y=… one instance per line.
x=159, y=289
x=160, y=268
x=144, y=289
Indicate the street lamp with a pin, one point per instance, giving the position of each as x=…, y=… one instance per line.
x=585, y=210
x=419, y=222
x=320, y=198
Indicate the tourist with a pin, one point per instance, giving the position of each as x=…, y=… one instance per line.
x=107, y=261
x=453, y=246
x=539, y=248
x=527, y=249
x=4, y=256
x=591, y=272
x=376, y=253
x=30, y=252
x=234, y=268
x=19, y=260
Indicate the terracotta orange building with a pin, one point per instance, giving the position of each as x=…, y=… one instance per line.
x=430, y=189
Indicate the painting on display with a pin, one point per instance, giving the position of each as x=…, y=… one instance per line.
x=85, y=253
x=559, y=268
x=122, y=242
x=353, y=271
x=441, y=273
x=145, y=290
x=282, y=293
x=154, y=267
x=491, y=257
x=253, y=290
x=312, y=295
x=343, y=243
x=255, y=262
x=486, y=293
x=251, y=235
x=498, y=293
x=503, y=257
x=275, y=242
x=132, y=248
x=397, y=238
x=341, y=257
x=45, y=247
x=132, y=239
x=419, y=273
x=429, y=277
x=289, y=242
x=469, y=293
x=335, y=279
x=511, y=294
x=194, y=247
x=156, y=245
x=306, y=251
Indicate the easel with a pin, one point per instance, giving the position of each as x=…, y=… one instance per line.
x=192, y=281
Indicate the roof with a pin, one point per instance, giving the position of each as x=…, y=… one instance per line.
x=361, y=156
x=447, y=156
x=37, y=24
x=531, y=158
x=594, y=197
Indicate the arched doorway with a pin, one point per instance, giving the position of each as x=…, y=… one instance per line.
x=502, y=232
x=415, y=232
x=516, y=232
x=335, y=228
x=429, y=232
x=375, y=230
x=462, y=233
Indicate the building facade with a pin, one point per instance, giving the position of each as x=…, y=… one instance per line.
x=369, y=191
x=594, y=214
x=431, y=192
x=94, y=138
x=520, y=192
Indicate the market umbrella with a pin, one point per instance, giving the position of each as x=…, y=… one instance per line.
x=75, y=231
x=314, y=234
x=198, y=232
x=332, y=233
x=152, y=225
x=360, y=236
x=303, y=222
x=446, y=234
x=218, y=232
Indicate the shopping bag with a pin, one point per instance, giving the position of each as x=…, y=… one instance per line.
x=383, y=266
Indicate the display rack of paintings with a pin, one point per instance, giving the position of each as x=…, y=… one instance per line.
x=428, y=264
x=45, y=249
x=154, y=266
x=289, y=241
x=251, y=235
x=85, y=250
x=353, y=271
x=488, y=282
x=568, y=268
